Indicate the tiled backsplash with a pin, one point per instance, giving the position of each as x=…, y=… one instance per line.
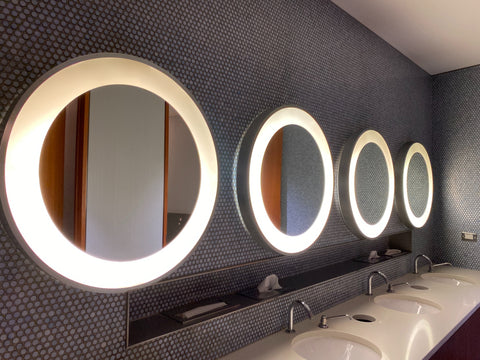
x=170, y=294
x=222, y=335
x=238, y=59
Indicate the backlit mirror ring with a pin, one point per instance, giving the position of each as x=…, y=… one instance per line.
x=401, y=173
x=347, y=193
x=20, y=191
x=273, y=237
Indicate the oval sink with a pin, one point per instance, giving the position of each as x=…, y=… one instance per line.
x=407, y=304
x=327, y=344
x=449, y=279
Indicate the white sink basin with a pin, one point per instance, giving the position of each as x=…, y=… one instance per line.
x=407, y=304
x=333, y=345
x=449, y=279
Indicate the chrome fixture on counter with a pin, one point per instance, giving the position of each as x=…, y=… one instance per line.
x=370, y=278
x=323, y=320
x=290, y=313
x=390, y=286
x=442, y=264
x=430, y=263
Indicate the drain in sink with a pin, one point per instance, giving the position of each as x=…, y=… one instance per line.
x=364, y=318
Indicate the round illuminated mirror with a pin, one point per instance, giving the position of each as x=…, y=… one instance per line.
x=414, y=192
x=110, y=172
x=288, y=188
x=366, y=184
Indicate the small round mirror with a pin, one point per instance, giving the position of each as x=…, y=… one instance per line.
x=414, y=193
x=366, y=184
x=285, y=179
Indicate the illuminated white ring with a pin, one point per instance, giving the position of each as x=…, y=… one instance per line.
x=405, y=210
x=275, y=238
x=350, y=208
x=21, y=194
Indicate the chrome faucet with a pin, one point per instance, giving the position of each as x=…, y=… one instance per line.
x=323, y=320
x=370, y=278
x=390, y=286
x=442, y=264
x=430, y=263
x=290, y=313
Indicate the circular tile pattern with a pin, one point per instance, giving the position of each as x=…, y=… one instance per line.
x=238, y=58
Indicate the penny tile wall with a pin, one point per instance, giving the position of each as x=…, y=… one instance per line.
x=238, y=59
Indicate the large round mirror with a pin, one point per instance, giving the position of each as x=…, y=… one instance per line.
x=285, y=179
x=110, y=172
x=414, y=192
x=366, y=184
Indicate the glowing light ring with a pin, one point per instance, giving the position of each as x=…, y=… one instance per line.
x=275, y=238
x=21, y=194
x=349, y=204
x=404, y=208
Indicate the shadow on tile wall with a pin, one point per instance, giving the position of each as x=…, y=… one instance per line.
x=238, y=58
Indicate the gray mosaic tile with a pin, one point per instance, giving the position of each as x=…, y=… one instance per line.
x=238, y=59
x=456, y=142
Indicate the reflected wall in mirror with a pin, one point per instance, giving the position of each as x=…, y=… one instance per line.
x=366, y=184
x=414, y=191
x=125, y=180
x=292, y=173
x=285, y=179
x=371, y=183
x=119, y=172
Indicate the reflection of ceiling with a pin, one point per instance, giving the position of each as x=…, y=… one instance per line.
x=437, y=35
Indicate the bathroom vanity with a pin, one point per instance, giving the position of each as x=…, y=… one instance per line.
x=428, y=318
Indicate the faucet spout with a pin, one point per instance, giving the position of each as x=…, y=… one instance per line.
x=390, y=286
x=323, y=319
x=370, y=278
x=418, y=257
x=442, y=264
x=290, y=313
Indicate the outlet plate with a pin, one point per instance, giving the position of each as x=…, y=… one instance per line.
x=468, y=236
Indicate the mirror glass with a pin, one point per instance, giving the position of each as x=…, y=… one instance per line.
x=371, y=183
x=119, y=172
x=366, y=184
x=110, y=172
x=417, y=184
x=292, y=174
x=414, y=192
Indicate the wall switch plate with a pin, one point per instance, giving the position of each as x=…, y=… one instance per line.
x=468, y=236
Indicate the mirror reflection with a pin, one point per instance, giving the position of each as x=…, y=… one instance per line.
x=292, y=179
x=371, y=183
x=417, y=184
x=119, y=172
